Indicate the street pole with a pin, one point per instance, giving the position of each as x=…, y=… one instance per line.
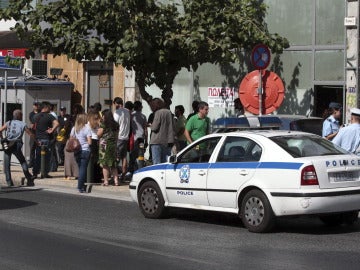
x=5, y=98
x=260, y=93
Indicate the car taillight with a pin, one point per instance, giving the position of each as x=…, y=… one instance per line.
x=308, y=176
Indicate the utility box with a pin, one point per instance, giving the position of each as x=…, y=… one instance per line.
x=21, y=94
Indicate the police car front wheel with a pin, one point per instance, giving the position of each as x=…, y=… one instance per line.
x=151, y=201
x=256, y=212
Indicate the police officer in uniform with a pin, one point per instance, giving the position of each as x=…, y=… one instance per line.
x=348, y=137
x=332, y=118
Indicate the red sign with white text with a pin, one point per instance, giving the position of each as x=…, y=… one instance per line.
x=13, y=52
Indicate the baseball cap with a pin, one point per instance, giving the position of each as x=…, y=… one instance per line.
x=355, y=111
x=335, y=105
x=62, y=108
x=36, y=103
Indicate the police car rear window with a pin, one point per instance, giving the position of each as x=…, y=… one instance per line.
x=307, y=146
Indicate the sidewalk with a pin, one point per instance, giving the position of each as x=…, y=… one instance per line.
x=59, y=184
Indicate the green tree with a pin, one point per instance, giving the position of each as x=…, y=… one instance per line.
x=154, y=39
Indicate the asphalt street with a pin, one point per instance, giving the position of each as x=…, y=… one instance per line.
x=51, y=230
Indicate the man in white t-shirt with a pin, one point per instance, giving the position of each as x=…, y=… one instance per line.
x=122, y=117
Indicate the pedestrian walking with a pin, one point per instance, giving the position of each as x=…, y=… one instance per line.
x=13, y=143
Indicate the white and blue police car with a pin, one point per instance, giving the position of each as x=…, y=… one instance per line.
x=259, y=175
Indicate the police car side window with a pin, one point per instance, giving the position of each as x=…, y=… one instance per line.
x=200, y=152
x=238, y=149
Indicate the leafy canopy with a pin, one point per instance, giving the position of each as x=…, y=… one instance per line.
x=155, y=39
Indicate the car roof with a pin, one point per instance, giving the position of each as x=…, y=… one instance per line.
x=265, y=133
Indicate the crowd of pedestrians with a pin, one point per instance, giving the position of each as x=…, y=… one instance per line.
x=110, y=139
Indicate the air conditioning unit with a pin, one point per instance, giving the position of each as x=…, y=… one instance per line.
x=35, y=67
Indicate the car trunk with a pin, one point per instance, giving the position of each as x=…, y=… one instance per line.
x=337, y=171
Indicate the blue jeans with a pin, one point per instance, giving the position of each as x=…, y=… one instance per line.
x=82, y=159
x=160, y=153
x=47, y=148
x=16, y=150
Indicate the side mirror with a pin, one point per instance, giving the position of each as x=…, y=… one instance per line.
x=173, y=159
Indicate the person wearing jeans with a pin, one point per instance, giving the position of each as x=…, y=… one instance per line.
x=163, y=134
x=83, y=133
x=14, y=133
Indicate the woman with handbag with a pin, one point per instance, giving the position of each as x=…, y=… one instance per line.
x=82, y=132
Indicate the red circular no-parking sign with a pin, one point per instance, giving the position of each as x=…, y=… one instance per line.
x=260, y=56
x=273, y=94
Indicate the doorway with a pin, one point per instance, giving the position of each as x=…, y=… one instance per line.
x=323, y=95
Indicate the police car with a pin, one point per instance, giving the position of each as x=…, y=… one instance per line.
x=259, y=175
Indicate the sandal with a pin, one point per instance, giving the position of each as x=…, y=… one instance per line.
x=106, y=183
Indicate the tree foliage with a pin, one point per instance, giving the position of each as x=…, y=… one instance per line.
x=154, y=39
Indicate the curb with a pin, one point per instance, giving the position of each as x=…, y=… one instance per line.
x=58, y=184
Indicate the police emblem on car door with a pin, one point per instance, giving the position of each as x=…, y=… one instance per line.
x=186, y=178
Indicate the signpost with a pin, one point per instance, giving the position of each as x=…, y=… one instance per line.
x=6, y=67
x=260, y=58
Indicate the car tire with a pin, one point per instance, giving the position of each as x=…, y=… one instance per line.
x=256, y=212
x=151, y=200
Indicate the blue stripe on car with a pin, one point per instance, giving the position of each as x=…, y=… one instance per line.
x=226, y=165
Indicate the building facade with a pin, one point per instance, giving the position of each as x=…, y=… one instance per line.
x=320, y=66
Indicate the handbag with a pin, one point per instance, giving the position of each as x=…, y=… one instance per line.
x=73, y=145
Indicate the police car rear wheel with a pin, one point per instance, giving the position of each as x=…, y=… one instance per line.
x=256, y=212
x=151, y=201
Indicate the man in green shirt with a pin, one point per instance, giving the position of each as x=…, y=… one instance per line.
x=199, y=124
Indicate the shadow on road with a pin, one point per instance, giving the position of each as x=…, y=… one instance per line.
x=297, y=225
x=6, y=203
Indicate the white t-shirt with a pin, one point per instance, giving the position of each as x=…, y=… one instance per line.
x=122, y=116
x=82, y=136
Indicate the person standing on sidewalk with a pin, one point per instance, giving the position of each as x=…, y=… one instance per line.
x=32, y=143
x=108, y=134
x=332, y=117
x=163, y=132
x=15, y=129
x=45, y=126
x=348, y=137
x=82, y=132
x=139, y=129
x=180, y=128
x=122, y=117
x=199, y=124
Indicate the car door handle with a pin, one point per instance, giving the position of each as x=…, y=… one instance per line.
x=201, y=173
x=244, y=172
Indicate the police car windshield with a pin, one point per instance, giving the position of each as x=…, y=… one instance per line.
x=307, y=146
